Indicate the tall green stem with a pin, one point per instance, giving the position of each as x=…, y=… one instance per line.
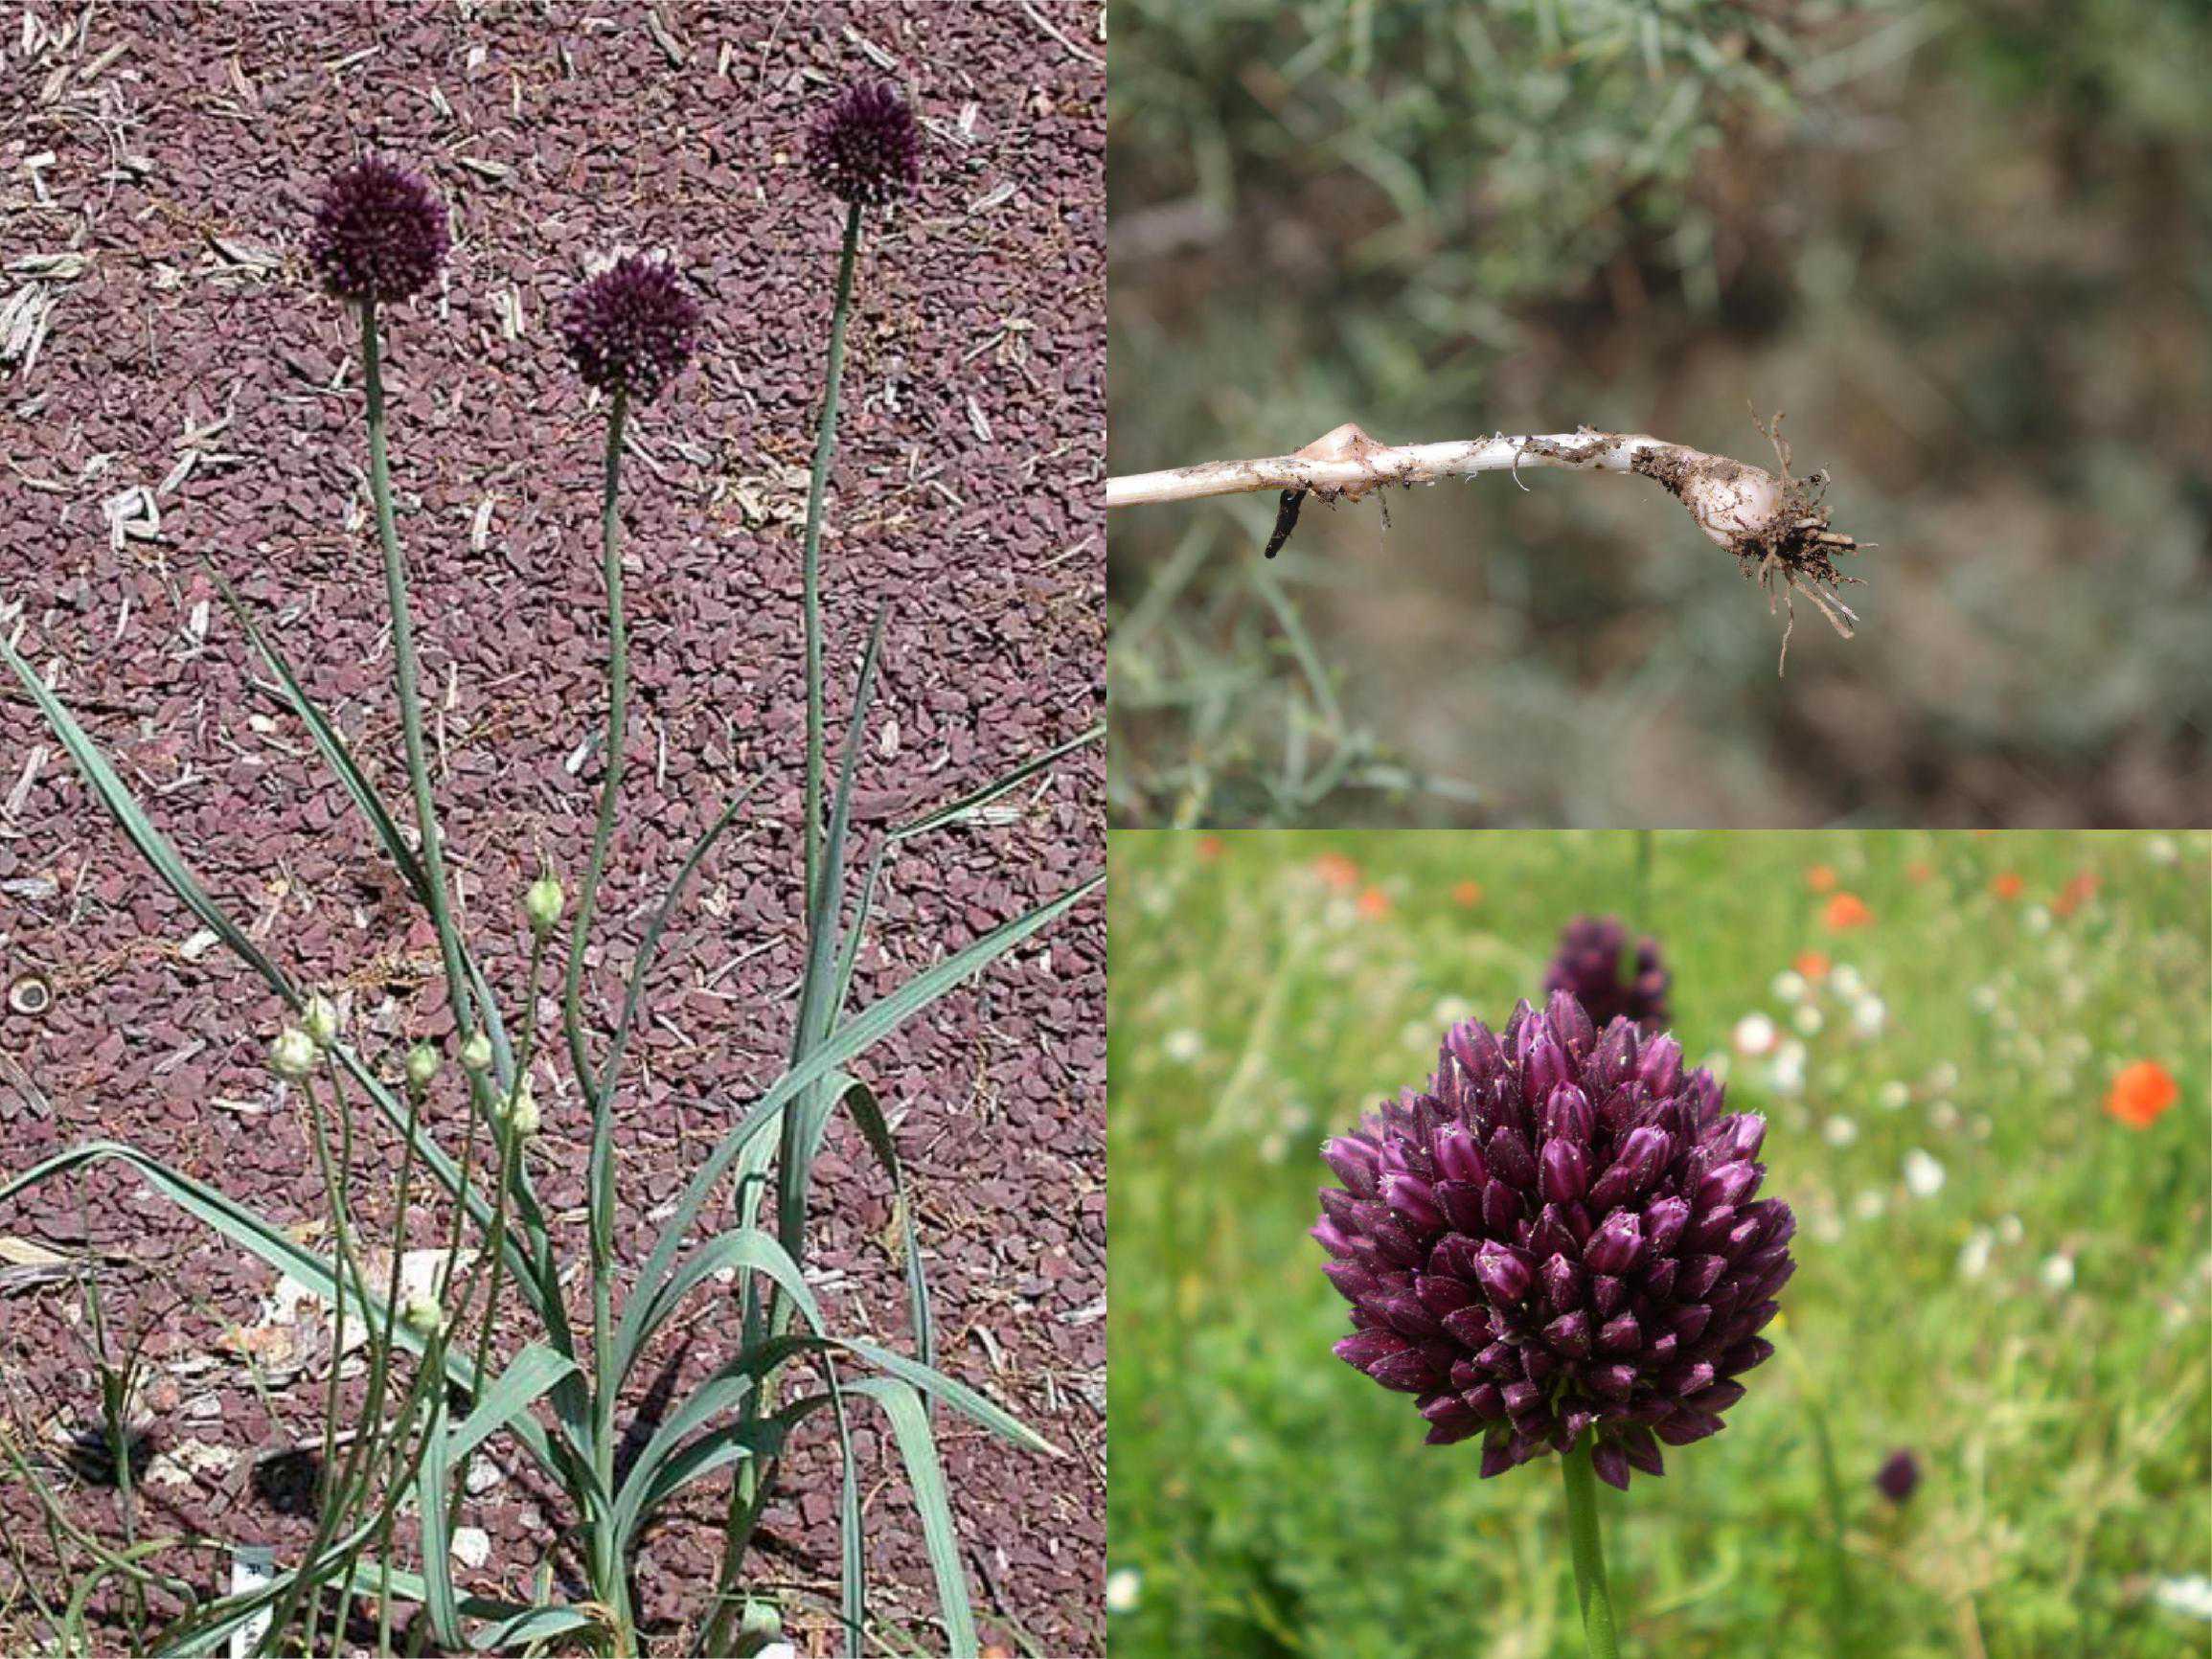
x=407, y=677
x=599, y=1196
x=1584, y=1543
x=810, y=570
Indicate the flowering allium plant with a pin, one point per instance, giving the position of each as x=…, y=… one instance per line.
x=555, y=1402
x=1592, y=951
x=865, y=148
x=379, y=235
x=631, y=327
x=1557, y=1245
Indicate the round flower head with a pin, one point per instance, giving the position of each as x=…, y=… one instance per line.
x=1898, y=1477
x=1557, y=1236
x=631, y=327
x=865, y=148
x=380, y=233
x=1588, y=965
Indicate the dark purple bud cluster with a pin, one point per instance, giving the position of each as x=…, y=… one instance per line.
x=865, y=148
x=1588, y=965
x=379, y=235
x=1559, y=1235
x=1898, y=1476
x=631, y=327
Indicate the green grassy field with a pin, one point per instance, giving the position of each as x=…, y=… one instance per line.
x=2033, y=1326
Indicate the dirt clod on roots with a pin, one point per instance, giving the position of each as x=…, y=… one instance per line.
x=1777, y=526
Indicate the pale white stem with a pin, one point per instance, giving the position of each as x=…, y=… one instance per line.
x=1350, y=462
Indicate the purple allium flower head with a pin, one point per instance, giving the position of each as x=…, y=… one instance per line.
x=631, y=327
x=1589, y=964
x=380, y=232
x=865, y=146
x=1558, y=1235
x=1898, y=1476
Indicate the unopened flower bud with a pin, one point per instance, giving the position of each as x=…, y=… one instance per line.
x=421, y=1065
x=476, y=1053
x=422, y=1314
x=293, y=1055
x=319, y=1019
x=522, y=1112
x=542, y=904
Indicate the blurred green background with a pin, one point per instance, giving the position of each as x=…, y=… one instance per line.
x=1961, y=242
x=1994, y=1272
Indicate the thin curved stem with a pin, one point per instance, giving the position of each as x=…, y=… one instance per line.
x=407, y=677
x=1587, y=1548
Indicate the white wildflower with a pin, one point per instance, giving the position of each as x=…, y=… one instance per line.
x=1125, y=1588
x=1807, y=1020
x=1789, y=986
x=1183, y=1047
x=1755, y=1035
x=1869, y=1015
x=2057, y=1273
x=1895, y=1096
x=1974, y=1254
x=1923, y=1174
x=1840, y=1131
x=1844, y=980
x=1870, y=1205
x=2190, y=1596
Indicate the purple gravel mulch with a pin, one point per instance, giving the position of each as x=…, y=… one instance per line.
x=187, y=366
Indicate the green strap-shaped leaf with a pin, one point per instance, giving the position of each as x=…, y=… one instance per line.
x=537, y=1368
x=917, y=1450
x=860, y=1100
x=862, y=1030
x=441, y=1599
x=740, y=1248
x=942, y=817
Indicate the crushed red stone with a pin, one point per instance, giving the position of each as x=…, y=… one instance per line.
x=172, y=156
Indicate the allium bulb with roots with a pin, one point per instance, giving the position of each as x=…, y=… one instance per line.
x=1561, y=1234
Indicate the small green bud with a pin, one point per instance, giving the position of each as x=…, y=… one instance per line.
x=319, y=1019
x=522, y=1113
x=422, y=1314
x=476, y=1053
x=542, y=904
x=760, y=1621
x=422, y=1066
x=293, y=1055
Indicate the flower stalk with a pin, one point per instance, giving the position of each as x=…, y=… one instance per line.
x=1586, y=1543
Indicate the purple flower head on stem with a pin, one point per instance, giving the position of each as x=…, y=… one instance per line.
x=1561, y=1234
x=865, y=148
x=1589, y=963
x=631, y=327
x=379, y=235
x=1898, y=1476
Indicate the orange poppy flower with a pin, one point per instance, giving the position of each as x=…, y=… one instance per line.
x=2007, y=885
x=1812, y=963
x=1374, y=905
x=2141, y=1094
x=1921, y=871
x=1820, y=878
x=1846, y=910
x=1467, y=895
x=2079, y=889
x=1209, y=848
x=1339, y=870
